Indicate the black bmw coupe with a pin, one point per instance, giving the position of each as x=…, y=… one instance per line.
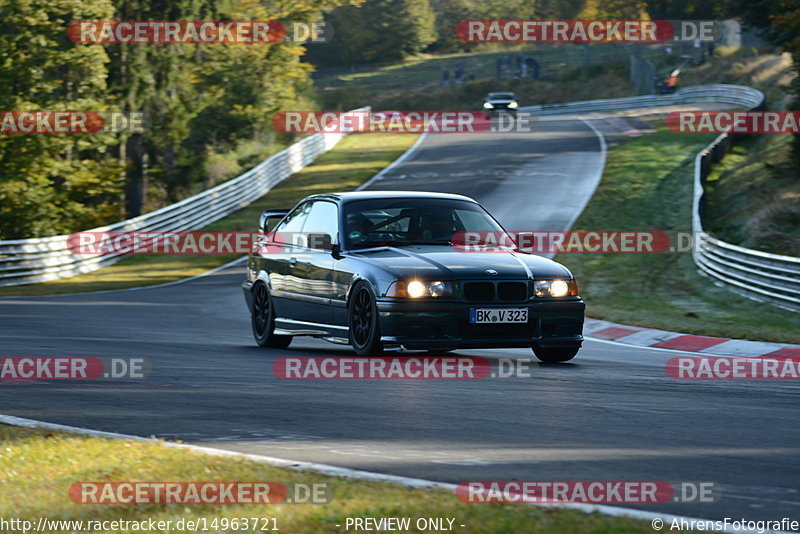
x=379, y=270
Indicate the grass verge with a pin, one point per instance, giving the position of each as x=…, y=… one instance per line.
x=754, y=196
x=37, y=468
x=349, y=164
x=567, y=73
x=647, y=185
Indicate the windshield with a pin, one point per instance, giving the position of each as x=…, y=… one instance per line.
x=501, y=96
x=415, y=221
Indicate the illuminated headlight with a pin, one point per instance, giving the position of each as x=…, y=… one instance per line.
x=416, y=289
x=487, y=105
x=513, y=105
x=555, y=288
x=559, y=288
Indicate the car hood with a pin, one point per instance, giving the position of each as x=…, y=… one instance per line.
x=428, y=261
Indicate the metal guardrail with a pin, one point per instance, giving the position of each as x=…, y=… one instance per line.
x=762, y=276
x=25, y=261
x=729, y=94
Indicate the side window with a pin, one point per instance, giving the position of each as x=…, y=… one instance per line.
x=323, y=222
x=322, y=219
x=289, y=229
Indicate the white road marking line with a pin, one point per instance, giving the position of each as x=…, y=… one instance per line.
x=598, y=173
x=405, y=155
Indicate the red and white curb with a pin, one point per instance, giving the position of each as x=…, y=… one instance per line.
x=662, y=339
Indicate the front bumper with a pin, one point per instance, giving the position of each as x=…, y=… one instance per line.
x=445, y=325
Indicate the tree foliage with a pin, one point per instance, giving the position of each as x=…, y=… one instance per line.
x=376, y=31
x=686, y=9
x=197, y=99
x=48, y=183
x=778, y=21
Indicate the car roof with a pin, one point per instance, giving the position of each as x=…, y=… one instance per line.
x=350, y=196
x=504, y=93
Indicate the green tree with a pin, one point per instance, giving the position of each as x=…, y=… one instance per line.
x=197, y=99
x=685, y=9
x=614, y=9
x=49, y=183
x=377, y=31
x=778, y=21
x=450, y=12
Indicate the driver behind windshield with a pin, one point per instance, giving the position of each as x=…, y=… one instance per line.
x=403, y=222
x=437, y=226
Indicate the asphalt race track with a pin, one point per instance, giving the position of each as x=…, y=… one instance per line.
x=529, y=181
x=612, y=414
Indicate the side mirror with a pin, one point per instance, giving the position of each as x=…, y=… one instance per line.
x=320, y=242
x=263, y=221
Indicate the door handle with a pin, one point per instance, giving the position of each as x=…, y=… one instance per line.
x=292, y=261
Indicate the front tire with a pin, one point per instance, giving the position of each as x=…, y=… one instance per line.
x=362, y=312
x=262, y=320
x=556, y=355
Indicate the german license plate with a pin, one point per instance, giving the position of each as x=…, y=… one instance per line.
x=498, y=315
